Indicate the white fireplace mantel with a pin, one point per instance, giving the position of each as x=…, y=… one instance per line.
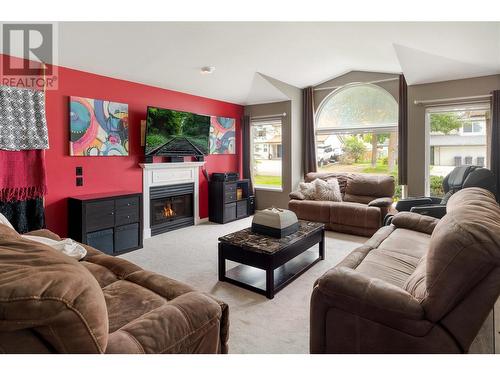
x=163, y=174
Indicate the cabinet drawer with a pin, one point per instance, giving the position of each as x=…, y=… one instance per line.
x=229, y=212
x=127, y=203
x=126, y=216
x=101, y=240
x=100, y=215
x=230, y=188
x=230, y=196
x=241, y=208
x=126, y=237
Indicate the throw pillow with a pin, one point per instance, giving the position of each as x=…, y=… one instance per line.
x=67, y=246
x=5, y=221
x=308, y=190
x=327, y=190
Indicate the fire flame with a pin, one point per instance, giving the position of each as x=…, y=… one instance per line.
x=168, y=211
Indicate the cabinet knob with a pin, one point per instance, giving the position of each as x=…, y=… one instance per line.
x=112, y=213
x=128, y=204
x=128, y=216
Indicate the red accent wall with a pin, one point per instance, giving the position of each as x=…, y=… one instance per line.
x=114, y=173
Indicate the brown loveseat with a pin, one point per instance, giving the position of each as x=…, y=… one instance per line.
x=420, y=285
x=50, y=303
x=366, y=200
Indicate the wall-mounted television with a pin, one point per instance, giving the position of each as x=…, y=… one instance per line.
x=176, y=133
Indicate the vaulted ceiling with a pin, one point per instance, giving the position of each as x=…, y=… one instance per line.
x=170, y=54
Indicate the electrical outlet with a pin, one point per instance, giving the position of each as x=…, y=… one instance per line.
x=79, y=181
x=79, y=171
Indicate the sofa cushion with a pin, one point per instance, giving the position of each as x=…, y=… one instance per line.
x=355, y=214
x=127, y=301
x=46, y=291
x=370, y=185
x=407, y=242
x=390, y=266
x=311, y=210
x=416, y=285
x=190, y=323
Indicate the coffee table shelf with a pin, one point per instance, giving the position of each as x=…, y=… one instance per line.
x=255, y=279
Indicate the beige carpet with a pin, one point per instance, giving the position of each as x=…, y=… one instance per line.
x=257, y=325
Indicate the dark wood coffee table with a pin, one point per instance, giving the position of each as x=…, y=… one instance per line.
x=283, y=260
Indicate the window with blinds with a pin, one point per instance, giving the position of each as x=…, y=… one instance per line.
x=266, y=152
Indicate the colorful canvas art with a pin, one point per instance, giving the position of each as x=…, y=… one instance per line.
x=98, y=127
x=222, y=135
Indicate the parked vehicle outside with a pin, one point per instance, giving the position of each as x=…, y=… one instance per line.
x=327, y=154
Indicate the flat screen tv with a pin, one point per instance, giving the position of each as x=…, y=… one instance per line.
x=176, y=133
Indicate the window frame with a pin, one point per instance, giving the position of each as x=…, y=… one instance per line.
x=444, y=109
x=353, y=129
x=261, y=120
x=356, y=130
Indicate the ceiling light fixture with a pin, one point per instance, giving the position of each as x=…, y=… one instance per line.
x=207, y=69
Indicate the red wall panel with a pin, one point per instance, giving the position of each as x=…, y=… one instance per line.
x=114, y=173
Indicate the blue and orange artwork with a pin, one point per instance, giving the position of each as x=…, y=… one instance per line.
x=222, y=135
x=98, y=127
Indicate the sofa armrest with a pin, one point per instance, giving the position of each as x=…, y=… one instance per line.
x=372, y=298
x=408, y=203
x=189, y=324
x=381, y=202
x=435, y=211
x=415, y=221
x=297, y=195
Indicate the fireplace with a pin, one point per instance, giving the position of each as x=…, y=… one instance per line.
x=171, y=207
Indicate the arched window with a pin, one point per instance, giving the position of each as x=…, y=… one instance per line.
x=356, y=130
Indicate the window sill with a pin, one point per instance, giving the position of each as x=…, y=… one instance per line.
x=269, y=188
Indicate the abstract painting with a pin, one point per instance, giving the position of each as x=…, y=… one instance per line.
x=98, y=127
x=222, y=135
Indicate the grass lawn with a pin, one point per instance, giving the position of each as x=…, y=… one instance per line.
x=379, y=168
x=271, y=181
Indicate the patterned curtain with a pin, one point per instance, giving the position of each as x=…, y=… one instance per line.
x=23, y=140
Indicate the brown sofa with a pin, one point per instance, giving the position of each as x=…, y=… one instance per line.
x=50, y=303
x=420, y=285
x=366, y=201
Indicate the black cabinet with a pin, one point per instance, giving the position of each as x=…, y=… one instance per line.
x=110, y=222
x=228, y=201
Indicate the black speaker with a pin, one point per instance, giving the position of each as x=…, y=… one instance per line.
x=251, y=204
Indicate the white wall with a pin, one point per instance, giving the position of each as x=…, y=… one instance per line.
x=445, y=155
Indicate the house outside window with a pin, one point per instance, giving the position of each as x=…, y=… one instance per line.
x=356, y=131
x=266, y=163
x=457, y=136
